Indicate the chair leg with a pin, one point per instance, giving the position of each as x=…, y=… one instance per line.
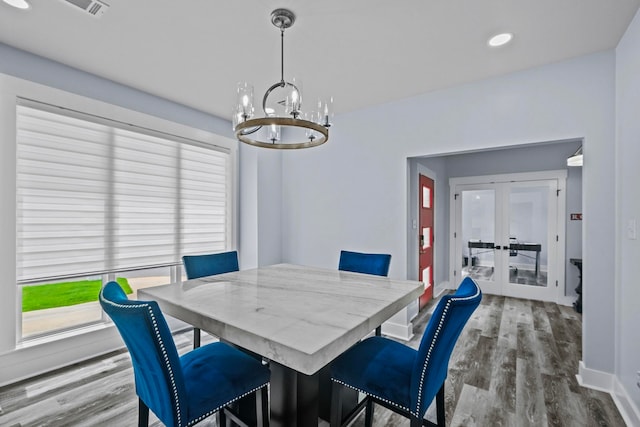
x=222, y=418
x=336, y=404
x=143, y=414
x=379, y=331
x=196, y=338
x=440, y=407
x=262, y=407
x=415, y=422
x=368, y=414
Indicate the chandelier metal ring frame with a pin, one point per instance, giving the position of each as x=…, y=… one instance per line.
x=283, y=19
x=281, y=121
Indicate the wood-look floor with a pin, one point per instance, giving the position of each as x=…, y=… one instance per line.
x=514, y=365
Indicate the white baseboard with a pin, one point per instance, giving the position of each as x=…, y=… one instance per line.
x=444, y=287
x=604, y=381
x=437, y=292
x=566, y=300
x=396, y=330
x=29, y=361
x=597, y=380
x=627, y=407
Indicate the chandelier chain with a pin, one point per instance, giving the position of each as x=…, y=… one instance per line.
x=282, y=56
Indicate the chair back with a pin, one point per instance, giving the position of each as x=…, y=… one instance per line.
x=439, y=338
x=197, y=266
x=358, y=262
x=156, y=364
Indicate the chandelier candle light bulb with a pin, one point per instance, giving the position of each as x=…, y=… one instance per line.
x=245, y=104
x=327, y=111
x=245, y=100
x=274, y=133
x=315, y=124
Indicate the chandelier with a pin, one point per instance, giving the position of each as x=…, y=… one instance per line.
x=309, y=129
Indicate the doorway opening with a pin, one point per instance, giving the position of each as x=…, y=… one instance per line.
x=526, y=158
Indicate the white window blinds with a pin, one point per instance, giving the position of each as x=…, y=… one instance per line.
x=97, y=196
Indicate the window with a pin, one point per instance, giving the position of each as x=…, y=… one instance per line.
x=101, y=200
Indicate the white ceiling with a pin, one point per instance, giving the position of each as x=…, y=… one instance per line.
x=362, y=52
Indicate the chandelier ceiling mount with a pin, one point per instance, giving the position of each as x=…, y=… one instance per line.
x=283, y=18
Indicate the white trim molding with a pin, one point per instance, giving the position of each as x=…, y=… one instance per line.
x=567, y=300
x=628, y=410
x=604, y=381
x=597, y=380
x=23, y=361
x=400, y=325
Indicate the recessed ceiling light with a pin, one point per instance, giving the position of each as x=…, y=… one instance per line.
x=500, y=39
x=20, y=4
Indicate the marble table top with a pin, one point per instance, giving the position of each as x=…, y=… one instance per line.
x=300, y=317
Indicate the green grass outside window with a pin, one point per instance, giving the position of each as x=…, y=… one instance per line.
x=40, y=297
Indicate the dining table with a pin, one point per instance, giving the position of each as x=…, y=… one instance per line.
x=296, y=318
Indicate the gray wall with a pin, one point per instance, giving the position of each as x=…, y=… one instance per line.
x=532, y=158
x=352, y=191
x=26, y=66
x=628, y=209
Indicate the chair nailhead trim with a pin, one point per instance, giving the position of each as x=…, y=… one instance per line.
x=166, y=361
x=416, y=413
x=165, y=356
x=203, y=416
x=433, y=342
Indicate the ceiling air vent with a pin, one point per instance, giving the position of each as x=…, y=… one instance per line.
x=92, y=7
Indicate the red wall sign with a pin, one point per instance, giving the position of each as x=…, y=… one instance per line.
x=576, y=217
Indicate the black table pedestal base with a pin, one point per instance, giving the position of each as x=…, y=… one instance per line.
x=300, y=400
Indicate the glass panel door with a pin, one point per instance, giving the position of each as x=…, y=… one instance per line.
x=528, y=222
x=506, y=237
x=532, y=238
x=478, y=232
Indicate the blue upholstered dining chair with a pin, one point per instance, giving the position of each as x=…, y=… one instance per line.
x=358, y=262
x=398, y=377
x=196, y=266
x=182, y=390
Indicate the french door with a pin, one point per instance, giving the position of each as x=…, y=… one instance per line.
x=507, y=235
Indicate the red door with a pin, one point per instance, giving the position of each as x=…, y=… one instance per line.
x=425, y=257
